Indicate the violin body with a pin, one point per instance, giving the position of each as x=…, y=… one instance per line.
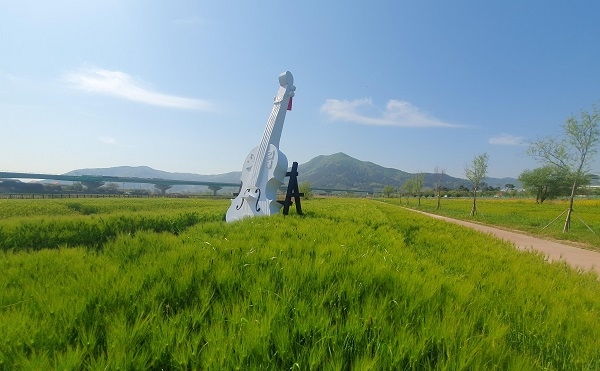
x=265, y=167
x=253, y=200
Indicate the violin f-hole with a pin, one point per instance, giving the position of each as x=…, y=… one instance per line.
x=257, y=199
x=240, y=205
x=243, y=199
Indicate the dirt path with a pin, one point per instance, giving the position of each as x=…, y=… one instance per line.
x=576, y=257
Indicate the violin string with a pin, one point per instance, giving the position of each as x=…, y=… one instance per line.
x=262, y=149
x=257, y=168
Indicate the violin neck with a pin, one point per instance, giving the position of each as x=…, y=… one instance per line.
x=272, y=133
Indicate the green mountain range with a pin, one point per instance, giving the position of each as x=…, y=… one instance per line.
x=341, y=171
x=336, y=171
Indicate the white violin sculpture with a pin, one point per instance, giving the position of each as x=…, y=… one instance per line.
x=266, y=166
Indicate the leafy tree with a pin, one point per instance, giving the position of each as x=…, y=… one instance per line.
x=573, y=152
x=438, y=179
x=462, y=188
x=306, y=188
x=418, y=186
x=489, y=188
x=546, y=182
x=408, y=187
x=52, y=188
x=388, y=190
x=77, y=187
x=414, y=186
x=475, y=173
x=111, y=187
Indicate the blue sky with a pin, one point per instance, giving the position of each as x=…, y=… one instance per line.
x=187, y=86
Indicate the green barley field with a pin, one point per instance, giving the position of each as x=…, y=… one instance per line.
x=354, y=284
x=545, y=220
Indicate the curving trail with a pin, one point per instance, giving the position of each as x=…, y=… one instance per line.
x=574, y=256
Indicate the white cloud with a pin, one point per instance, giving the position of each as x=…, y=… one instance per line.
x=108, y=140
x=121, y=85
x=507, y=140
x=396, y=113
x=111, y=141
x=8, y=77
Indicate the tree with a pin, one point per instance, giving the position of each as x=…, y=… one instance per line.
x=408, y=188
x=439, y=178
x=77, y=187
x=462, y=188
x=546, y=182
x=388, y=190
x=418, y=186
x=111, y=187
x=509, y=188
x=305, y=188
x=475, y=173
x=573, y=152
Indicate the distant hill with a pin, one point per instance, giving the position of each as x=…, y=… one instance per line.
x=337, y=171
x=148, y=172
x=345, y=172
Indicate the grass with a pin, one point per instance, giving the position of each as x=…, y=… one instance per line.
x=352, y=284
x=544, y=220
x=39, y=224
